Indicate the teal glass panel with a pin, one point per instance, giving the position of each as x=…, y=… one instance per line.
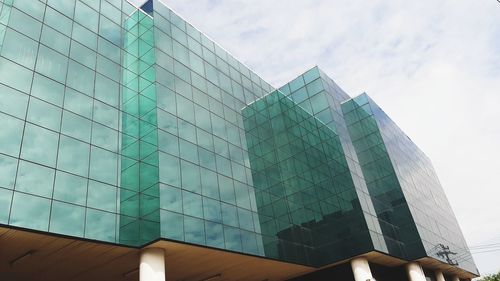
x=5, y=200
x=8, y=169
x=35, y=179
x=52, y=64
x=174, y=229
x=86, y=16
x=15, y=76
x=25, y=24
x=103, y=166
x=70, y=188
x=76, y=126
x=55, y=40
x=58, y=21
x=194, y=230
x=170, y=198
x=11, y=135
x=80, y=78
x=104, y=137
x=100, y=226
x=78, y=103
x=73, y=156
x=67, y=219
x=13, y=102
x=101, y=196
x=39, y=145
x=30, y=211
x=19, y=48
x=44, y=114
x=47, y=89
x=192, y=204
x=67, y=7
x=214, y=234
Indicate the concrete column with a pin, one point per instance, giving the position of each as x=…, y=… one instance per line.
x=415, y=272
x=361, y=269
x=152, y=267
x=439, y=276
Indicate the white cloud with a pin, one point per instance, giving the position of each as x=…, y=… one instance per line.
x=433, y=66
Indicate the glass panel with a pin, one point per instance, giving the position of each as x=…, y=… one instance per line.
x=19, y=48
x=194, y=230
x=191, y=204
x=103, y=165
x=14, y=75
x=86, y=16
x=47, y=89
x=170, y=198
x=76, y=126
x=174, y=229
x=107, y=90
x=73, y=156
x=13, y=102
x=78, y=103
x=80, y=78
x=55, y=40
x=30, y=211
x=58, y=21
x=25, y=24
x=44, y=114
x=39, y=145
x=70, y=188
x=100, y=225
x=67, y=219
x=52, y=64
x=66, y=7
x=5, y=198
x=8, y=168
x=35, y=179
x=214, y=234
x=102, y=196
x=104, y=137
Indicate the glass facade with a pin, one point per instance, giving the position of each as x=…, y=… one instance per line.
x=126, y=125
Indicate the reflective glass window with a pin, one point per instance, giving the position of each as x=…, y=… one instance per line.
x=47, y=89
x=192, y=204
x=73, y=156
x=52, y=64
x=5, y=199
x=19, y=48
x=67, y=219
x=13, y=102
x=15, y=76
x=8, y=168
x=44, y=114
x=102, y=196
x=100, y=225
x=103, y=165
x=175, y=228
x=55, y=40
x=30, y=211
x=35, y=179
x=39, y=145
x=70, y=188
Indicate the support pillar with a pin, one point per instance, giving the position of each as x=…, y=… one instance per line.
x=152, y=265
x=361, y=269
x=439, y=276
x=415, y=272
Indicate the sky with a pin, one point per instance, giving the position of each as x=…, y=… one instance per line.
x=432, y=65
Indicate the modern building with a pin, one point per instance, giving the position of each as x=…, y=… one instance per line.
x=133, y=147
